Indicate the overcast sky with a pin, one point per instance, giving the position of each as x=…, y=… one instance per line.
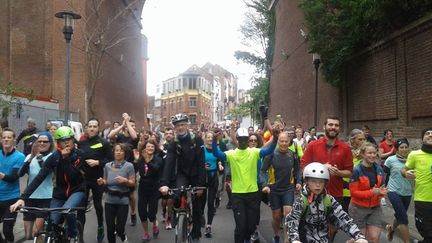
x=185, y=32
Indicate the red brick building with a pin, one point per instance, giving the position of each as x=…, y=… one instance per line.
x=388, y=85
x=32, y=54
x=190, y=93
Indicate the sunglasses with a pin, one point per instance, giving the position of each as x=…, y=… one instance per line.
x=253, y=140
x=43, y=141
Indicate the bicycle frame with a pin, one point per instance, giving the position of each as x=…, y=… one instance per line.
x=52, y=233
x=183, y=213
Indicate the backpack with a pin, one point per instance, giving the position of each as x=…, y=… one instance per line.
x=178, y=145
x=270, y=173
x=326, y=201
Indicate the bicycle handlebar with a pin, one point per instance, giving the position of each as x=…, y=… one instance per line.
x=50, y=210
x=186, y=189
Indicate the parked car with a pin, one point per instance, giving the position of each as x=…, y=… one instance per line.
x=77, y=127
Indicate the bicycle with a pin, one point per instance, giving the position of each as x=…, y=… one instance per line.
x=183, y=213
x=54, y=233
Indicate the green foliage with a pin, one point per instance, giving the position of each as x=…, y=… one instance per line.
x=239, y=111
x=339, y=28
x=9, y=100
x=258, y=30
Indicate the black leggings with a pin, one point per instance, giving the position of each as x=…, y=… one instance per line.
x=246, y=209
x=423, y=219
x=212, y=188
x=8, y=220
x=115, y=217
x=147, y=203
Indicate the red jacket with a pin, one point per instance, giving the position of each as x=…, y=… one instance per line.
x=361, y=192
x=339, y=155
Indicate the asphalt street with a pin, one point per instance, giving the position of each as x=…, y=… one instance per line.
x=223, y=227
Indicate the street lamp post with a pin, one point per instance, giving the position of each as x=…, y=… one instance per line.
x=68, y=17
x=316, y=61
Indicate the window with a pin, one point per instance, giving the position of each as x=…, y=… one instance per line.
x=192, y=119
x=192, y=101
x=180, y=103
x=194, y=83
x=185, y=83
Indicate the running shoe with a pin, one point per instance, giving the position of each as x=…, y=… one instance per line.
x=133, y=220
x=155, y=231
x=208, y=233
x=100, y=234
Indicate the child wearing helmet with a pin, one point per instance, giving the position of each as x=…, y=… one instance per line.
x=314, y=209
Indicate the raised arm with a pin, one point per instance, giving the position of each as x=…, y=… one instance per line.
x=114, y=132
x=217, y=152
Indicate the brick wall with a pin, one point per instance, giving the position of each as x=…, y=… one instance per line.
x=292, y=84
x=32, y=54
x=389, y=85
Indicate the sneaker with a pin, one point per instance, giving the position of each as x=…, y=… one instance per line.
x=383, y=202
x=168, y=225
x=133, y=220
x=255, y=236
x=228, y=206
x=217, y=202
x=275, y=239
x=208, y=233
x=125, y=239
x=100, y=234
x=155, y=231
x=146, y=238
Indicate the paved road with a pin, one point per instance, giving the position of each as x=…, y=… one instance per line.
x=223, y=227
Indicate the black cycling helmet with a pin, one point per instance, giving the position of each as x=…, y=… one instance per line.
x=180, y=117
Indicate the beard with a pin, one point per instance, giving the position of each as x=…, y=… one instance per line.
x=328, y=135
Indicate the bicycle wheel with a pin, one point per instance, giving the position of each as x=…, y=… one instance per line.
x=182, y=229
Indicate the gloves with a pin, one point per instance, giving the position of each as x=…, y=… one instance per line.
x=263, y=111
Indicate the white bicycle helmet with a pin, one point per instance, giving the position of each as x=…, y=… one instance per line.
x=242, y=132
x=316, y=170
x=180, y=117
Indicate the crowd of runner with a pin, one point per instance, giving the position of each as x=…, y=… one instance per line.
x=313, y=185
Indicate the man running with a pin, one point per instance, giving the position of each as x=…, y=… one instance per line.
x=418, y=168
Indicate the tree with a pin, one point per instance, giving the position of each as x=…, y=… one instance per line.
x=239, y=111
x=100, y=35
x=258, y=31
x=338, y=29
x=10, y=98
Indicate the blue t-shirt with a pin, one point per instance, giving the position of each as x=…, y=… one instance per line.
x=10, y=190
x=210, y=159
x=45, y=189
x=397, y=183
